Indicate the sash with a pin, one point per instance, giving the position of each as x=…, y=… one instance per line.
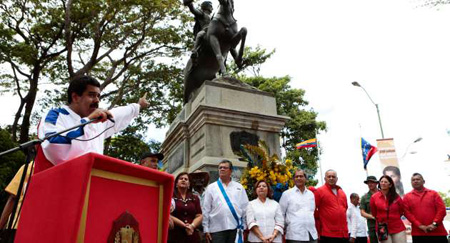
x=240, y=227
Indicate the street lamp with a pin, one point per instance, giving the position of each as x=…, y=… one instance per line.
x=407, y=148
x=376, y=106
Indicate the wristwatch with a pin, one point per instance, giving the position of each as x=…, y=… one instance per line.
x=435, y=224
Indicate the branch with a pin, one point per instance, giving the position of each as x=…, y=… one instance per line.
x=51, y=56
x=120, y=92
x=18, y=69
x=81, y=59
x=16, y=79
x=68, y=36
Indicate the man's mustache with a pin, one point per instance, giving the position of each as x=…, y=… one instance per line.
x=94, y=105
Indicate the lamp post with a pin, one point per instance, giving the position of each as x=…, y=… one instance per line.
x=376, y=106
x=407, y=148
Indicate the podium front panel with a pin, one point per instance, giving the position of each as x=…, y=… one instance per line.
x=111, y=194
x=79, y=200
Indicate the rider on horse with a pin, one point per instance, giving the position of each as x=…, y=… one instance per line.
x=202, y=20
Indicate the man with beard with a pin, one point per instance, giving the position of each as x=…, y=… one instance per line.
x=83, y=98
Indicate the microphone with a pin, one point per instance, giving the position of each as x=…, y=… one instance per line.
x=109, y=117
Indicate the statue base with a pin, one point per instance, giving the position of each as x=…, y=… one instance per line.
x=223, y=114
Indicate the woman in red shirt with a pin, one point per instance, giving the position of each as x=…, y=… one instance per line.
x=387, y=207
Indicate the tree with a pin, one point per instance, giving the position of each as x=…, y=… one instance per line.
x=303, y=122
x=30, y=40
x=9, y=164
x=435, y=3
x=121, y=42
x=130, y=145
x=445, y=197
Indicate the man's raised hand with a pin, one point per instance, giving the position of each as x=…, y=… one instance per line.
x=143, y=102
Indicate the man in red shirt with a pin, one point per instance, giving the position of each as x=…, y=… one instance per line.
x=425, y=209
x=331, y=209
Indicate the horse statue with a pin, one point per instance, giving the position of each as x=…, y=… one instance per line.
x=221, y=37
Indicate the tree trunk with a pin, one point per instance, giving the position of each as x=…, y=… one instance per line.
x=16, y=120
x=29, y=100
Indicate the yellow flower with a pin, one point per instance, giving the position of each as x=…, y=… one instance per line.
x=288, y=162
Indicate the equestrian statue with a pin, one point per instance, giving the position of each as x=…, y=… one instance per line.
x=214, y=38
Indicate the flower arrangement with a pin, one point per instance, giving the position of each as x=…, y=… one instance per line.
x=261, y=166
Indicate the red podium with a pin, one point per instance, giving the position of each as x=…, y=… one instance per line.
x=78, y=201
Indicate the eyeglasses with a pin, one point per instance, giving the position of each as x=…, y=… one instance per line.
x=223, y=168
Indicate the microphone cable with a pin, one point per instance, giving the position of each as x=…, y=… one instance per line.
x=85, y=140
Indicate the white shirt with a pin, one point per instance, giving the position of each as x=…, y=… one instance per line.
x=298, y=210
x=356, y=223
x=267, y=216
x=216, y=213
x=63, y=148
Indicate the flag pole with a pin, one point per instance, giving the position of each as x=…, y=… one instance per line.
x=318, y=160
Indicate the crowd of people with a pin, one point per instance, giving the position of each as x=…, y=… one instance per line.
x=223, y=212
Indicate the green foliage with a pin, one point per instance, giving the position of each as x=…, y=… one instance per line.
x=434, y=3
x=9, y=164
x=253, y=58
x=445, y=197
x=126, y=44
x=130, y=145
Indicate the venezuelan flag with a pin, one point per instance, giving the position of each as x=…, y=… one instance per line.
x=367, y=151
x=307, y=144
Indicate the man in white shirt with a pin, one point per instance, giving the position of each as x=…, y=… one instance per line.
x=220, y=223
x=298, y=206
x=83, y=99
x=356, y=223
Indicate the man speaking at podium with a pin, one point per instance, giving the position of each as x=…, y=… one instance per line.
x=83, y=99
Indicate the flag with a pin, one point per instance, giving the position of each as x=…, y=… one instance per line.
x=367, y=151
x=307, y=144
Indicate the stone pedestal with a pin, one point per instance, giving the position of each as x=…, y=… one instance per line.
x=213, y=124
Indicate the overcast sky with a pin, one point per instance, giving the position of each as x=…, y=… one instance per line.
x=397, y=50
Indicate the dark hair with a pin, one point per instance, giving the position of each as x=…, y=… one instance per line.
x=392, y=193
x=227, y=161
x=417, y=174
x=269, y=189
x=297, y=170
x=79, y=85
x=394, y=169
x=205, y=5
x=175, y=190
x=353, y=195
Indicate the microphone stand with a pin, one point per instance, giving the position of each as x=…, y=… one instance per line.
x=28, y=148
x=26, y=145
